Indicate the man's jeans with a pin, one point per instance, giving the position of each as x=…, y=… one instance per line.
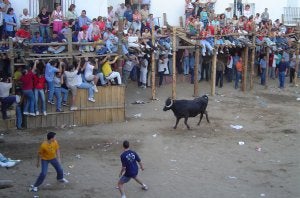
x=45, y=32
x=40, y=93
x=57, y=93
x=281, y=78
x=186, y=65
x=50, y=90
x=88, y=86
x=237, y=79
x=263, y=76
x=29, y=104
x=44, y=165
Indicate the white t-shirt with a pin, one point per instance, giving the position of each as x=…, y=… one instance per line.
x=4, y=89
x=88, y=70
x=274, y=61
x=230, y=63
x=73, y=79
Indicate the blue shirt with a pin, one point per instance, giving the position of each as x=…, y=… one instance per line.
x=84, y=21
x=263, y=63
x=128, y=15
x=37, y=39
x=282, y=66
x=49, y=72
x=129, y=159
x=9, y=19
x=235, y=59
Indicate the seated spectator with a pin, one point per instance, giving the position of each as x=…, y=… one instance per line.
x=58, y=48
x=5, y=99
x=25, y=19
x=83, y=38
x=89, y=66
x=37, y=38
x=205, y=44
x=108, y=73
x=143, y=71
x=16, y=77
x=111, y=41
x=74, y=82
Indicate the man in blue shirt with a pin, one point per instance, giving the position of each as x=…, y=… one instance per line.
x=129, y=161
x=49, y=75
x=281, y=70
x=192, y=66
x=263, y=67
x=83, y=19
x=128, y=15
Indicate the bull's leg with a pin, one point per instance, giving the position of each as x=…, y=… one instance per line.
x=201, y=116
x=206, y=114
x=177, y=120
x=185, y=122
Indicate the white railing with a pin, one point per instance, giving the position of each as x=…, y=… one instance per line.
x=291, y=16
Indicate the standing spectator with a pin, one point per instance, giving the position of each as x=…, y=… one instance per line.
x=120, y=10
x=108, y=73
x=5, y=5
x=83, y=19
x=272, y=66
x=58, y=81
x=39, y=82
x=205, y=68
x=281, y=70
x=71, y=13
x=239, y=70
x=229, y=68
x=186, y=61
x=263, y=68
x=57, y=17
x=44, y=20
x=192, y=66
x=220, y=71
x=162, y=67
x=137, y=21
x=265, y=16
x=27, y=89
x=48, y=153
x=292, y=70
x=144, y=70
x=10, y=22
x=257, y=19
x=111, y=14
x=128, y=15
x=49, y=75
x=1, y=22
x=286, y=57
x=145, y=12
x=236, y=58
x=25, y=19
x=130, y=168
x=247, y=11
x=129, y=64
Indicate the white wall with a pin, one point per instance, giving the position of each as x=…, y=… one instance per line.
x=94, y=8
x=275, y=7
x=174, y=9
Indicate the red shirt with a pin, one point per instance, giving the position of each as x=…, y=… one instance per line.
x=39, y=82
x=27, y=81
x=101, y=25
x=211, y=29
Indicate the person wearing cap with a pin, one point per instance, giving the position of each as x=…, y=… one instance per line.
x=48, y=153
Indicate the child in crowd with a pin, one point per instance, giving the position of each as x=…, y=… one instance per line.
x=39, y=82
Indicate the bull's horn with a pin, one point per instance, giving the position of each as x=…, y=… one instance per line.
x=170, y=104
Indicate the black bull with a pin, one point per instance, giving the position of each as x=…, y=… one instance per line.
x=187, y=108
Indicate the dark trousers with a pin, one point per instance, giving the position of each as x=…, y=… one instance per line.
x=292, y=74
x=229, y=74
x=192, y=75
x=219, y=77
x=6, y=103
x=205, y=68
x=161, y=76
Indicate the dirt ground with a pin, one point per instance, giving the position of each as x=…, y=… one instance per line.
x=206, y=161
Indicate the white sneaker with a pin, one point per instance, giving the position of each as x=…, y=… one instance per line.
x=91, y=99
x=73, y=108
x=32, y=188
x=45, y=113
x=63, y=180
x=32, y=114
x=95, y=88
x=144, y=187
x=123, y=196
x=25, y=113
x=37, y=113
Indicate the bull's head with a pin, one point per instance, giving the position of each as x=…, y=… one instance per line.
x=168, y=104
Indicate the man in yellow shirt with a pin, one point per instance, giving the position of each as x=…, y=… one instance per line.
x=107, y=71
x=48, y=153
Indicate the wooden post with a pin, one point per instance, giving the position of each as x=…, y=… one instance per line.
x=196, y=67
x=181, y=21
x=70, y=45
x=12, y=61
x=165, y=19
x=153, y=67
x=267, y=68
x=213, y=74
x=252, y=61
x=297, y=64
x=245, y=69
x=120, y=40
x=174, y=65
